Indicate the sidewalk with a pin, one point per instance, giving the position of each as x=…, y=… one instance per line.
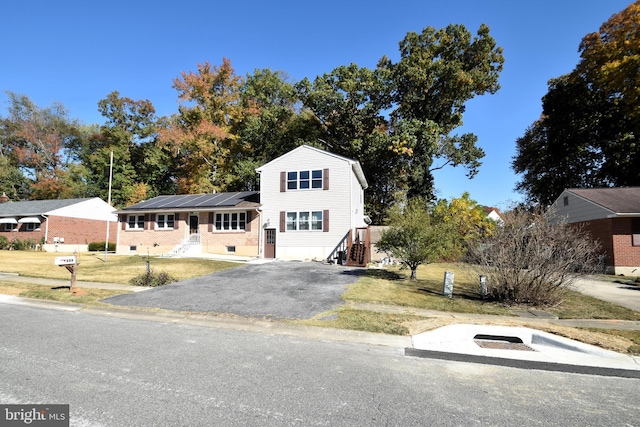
x=461, y=317
x=61, y=283
x=618, y=293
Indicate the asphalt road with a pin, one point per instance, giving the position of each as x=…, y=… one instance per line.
x=276, y=290
x=120, y=372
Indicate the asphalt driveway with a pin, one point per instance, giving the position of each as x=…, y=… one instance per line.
x=275, y=290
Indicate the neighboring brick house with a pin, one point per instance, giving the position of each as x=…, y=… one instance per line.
x=612, y=216
x=63, y=225
x=310, y=206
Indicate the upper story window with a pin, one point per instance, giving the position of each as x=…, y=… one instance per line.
x=165, y=221
x=233, y=221
x=304, y=180
x=135, y=222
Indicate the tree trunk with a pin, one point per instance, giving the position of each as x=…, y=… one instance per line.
x=413, y=273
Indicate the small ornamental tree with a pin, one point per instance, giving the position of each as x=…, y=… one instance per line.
x=467, y=221
x=533, y=258
x=414, y=237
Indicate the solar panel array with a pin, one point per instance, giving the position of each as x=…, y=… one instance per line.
x=194, y=201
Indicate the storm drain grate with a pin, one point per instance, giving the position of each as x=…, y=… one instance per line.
x=499, y=342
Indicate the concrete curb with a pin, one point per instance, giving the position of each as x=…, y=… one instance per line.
x=523, y=364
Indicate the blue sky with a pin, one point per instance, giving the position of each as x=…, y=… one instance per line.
x=76, y=52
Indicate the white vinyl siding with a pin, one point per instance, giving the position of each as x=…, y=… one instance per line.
x=342, y=200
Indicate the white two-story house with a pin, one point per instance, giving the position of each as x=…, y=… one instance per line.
x=310, y=206
x=311, y=200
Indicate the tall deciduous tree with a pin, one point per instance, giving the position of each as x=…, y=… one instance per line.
x=140, y=169
x=398, y=119
x=201, y=135
x=36, y=140
x=270, y=125
x=347, y=107
x=563, y=149
x=588, y=133
x=438, y=72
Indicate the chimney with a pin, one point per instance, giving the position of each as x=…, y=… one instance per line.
x=4, y=198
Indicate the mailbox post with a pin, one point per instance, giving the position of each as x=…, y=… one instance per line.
x=71, y=264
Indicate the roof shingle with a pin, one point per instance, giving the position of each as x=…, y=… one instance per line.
x=618, y=199
x=36, y=207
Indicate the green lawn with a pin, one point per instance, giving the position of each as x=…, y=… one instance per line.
x=115, y=269
x=393, y=287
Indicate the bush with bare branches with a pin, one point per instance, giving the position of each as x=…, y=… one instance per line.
x=533, y=258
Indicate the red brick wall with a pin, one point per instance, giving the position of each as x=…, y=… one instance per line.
x=163, y=241
x=614, y=235
x=626, y=254
x=73, y=230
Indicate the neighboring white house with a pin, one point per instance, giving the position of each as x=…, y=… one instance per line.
x=310, y=200
x=493, y=214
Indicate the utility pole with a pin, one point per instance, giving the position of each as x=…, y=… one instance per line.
x=106, y=243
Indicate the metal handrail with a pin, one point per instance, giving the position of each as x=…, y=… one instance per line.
x=339, y=253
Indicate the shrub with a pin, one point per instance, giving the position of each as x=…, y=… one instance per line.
x=23, y=245
x=533, y=258
x=99, y=246
x=153, y=279
x=4, y=243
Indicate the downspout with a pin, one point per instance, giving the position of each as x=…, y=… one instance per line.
x=259, y=212
x=46, y=229
x=261, y=219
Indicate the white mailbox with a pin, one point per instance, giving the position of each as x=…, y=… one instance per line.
x=65, y=260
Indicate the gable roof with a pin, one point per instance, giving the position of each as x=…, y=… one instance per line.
x=36, y=207
x=355, y=165
x=197, y=201
x=493, y=213
x=619, y=200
